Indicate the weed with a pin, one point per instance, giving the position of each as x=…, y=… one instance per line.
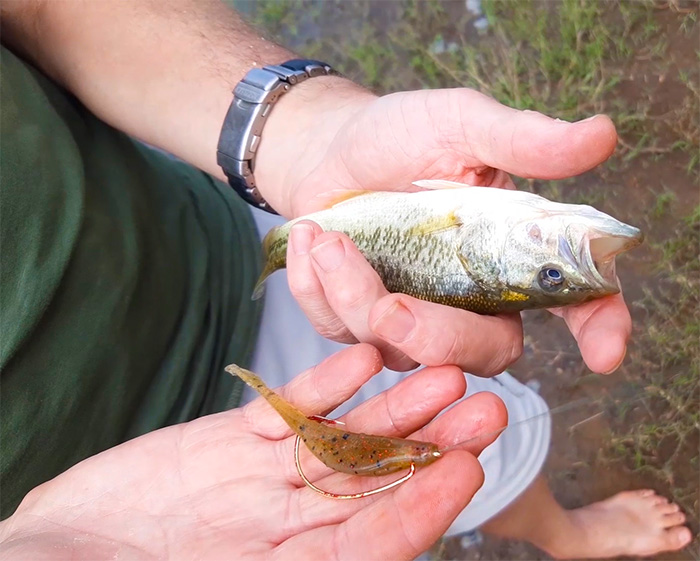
x=664, y=440
x=278, y=18
x=686, y=123
x=663, y=203
x=688, y=23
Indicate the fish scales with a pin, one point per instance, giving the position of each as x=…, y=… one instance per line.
x=394, y=250
x=393, y=253
x=481, y=249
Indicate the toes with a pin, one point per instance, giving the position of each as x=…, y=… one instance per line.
x=660, y=501
x=674, y=519
x=668, y=508
x=678, y=538
x=637, y=494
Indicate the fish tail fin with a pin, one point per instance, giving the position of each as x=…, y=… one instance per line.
x=292, y=416
x=274, y=248
x=259, y=288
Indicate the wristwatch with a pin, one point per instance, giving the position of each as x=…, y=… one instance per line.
x=253, y=99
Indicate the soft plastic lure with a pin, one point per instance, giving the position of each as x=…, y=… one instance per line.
x=365, y=454
x=341, y=450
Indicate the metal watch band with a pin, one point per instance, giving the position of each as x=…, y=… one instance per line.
x=241, y=132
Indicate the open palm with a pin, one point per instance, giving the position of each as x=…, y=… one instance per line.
x=225, y=486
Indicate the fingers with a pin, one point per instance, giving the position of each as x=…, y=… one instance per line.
x=486, y=176
x=461, y=134
x=482, y=345
x=306, y=287
x=345, y=299
x=410, y=404
x=470, y=426
x=474, y=423
x=402, y=409
x=418, y=513
x=601, y=329
x=400, y=524
x=336, y=288
x=502, y=180
x=318, y=390
x=527, y=143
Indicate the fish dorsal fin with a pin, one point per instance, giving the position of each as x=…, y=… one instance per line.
x=435, y=184
x=339, y=197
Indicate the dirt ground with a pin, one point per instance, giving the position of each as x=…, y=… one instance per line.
x=642, y=68
x=582, y=468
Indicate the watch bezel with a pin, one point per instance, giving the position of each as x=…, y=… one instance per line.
x=241, y=131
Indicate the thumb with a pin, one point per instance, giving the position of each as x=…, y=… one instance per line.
x=528, y=143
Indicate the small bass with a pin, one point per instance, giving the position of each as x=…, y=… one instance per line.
x=481, y=249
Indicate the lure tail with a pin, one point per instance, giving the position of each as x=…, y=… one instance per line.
x=291, y=415
x=274, y=248
x=250, y=378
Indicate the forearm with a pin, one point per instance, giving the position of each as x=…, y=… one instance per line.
x=162, y=71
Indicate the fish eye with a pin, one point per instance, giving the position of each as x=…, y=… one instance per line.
x=550, y=279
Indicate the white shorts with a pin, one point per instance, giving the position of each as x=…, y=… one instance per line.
x=288, y=344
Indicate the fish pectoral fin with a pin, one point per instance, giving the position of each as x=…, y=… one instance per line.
x=471, y=273
x=434, y=184
x=436, y=225
x=480, y=261
x=465, y=263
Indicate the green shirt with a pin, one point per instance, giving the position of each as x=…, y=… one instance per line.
x=125, y=282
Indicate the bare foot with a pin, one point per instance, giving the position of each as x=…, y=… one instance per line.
x=637, y=523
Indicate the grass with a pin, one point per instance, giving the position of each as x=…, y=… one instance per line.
x=686, y=123
x=663, y=204
x=567, y=58
x=663, y=439
x=552, y=59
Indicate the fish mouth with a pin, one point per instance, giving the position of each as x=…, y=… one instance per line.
x=599, y=254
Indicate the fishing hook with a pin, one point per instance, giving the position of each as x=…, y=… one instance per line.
x=330, y=495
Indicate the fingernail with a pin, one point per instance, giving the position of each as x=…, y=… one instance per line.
x=624, y=354
x=329, y=255
x=395, y=324
x=300, y=238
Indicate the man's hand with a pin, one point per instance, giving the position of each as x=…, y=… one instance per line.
x=225, y=486
x=386, y=144
x=163, y=71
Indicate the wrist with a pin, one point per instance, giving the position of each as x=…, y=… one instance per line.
x=298, y=131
